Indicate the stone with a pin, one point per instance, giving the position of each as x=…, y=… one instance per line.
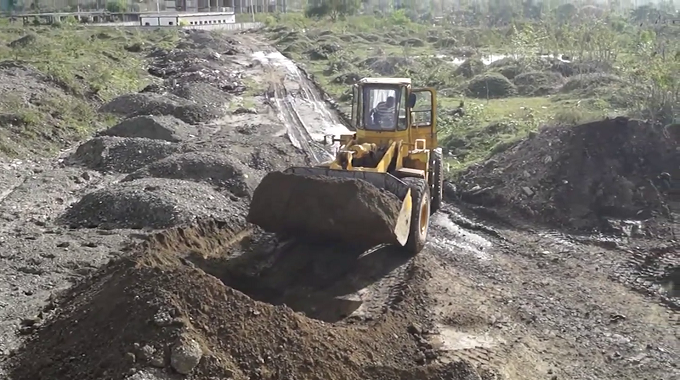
x=185, y=356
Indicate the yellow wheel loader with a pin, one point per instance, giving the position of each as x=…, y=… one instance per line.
x=382, y=186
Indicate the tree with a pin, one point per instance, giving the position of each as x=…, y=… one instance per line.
x=332, y=8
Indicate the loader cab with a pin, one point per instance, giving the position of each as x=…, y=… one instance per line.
x=391, y=107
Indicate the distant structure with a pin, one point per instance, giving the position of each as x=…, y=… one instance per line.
x=139, y=6
x=227, y=16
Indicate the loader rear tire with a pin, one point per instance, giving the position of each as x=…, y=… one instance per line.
x=438, y=179
x=420, y=214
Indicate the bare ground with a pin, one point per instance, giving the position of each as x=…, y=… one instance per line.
x=520, y=303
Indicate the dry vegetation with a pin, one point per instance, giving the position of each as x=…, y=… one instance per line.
x=54, y=77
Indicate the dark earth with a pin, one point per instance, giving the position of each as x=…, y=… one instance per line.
x=130, y=257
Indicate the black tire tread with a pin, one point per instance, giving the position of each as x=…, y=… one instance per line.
x=438, y=181
x=419, y=189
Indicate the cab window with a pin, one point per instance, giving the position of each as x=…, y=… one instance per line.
x=401, y=125
x=421, y=113
x=380, y=108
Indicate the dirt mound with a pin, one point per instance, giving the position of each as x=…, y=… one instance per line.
x=386, y=65
x=470, y=67
x=330, y=208
x=538, y=83
x=578, y=177
x=215, y=169
x=202, y=39
x=120, y=154
x=166, y=128
x=157, y=315
x=587, y=84
x=150, y=203
x=491, y=85
x=147, y=103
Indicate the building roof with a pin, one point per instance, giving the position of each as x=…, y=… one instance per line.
x=386, y=80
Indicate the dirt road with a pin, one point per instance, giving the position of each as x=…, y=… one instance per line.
x=525, y=304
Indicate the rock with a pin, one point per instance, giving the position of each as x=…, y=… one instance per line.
x=419, y=358
x=130, y=358
x=157, y=361
x=149, y=203
x=149, y=354
x=148, y=374
x=415, y=329
x=185, y=356
x=29, y=322
x=134, y=48
x=430, y=354
x=162, y=319
x=120, y=154
x=144, y=352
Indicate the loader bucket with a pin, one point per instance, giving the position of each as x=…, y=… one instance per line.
x=358, y=208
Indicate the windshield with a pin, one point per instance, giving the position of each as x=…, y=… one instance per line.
x=380, y=108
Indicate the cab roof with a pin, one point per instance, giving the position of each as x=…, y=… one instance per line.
x=386, y=80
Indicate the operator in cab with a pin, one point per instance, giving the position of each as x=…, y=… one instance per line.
x=383, y=114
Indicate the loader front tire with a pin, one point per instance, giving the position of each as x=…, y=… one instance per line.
x=420, y=214
x=437, y=179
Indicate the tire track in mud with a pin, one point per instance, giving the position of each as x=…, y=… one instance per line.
x=455, y=242
x=654, y=272
x=651, y=271
x=295, y=127
x=302, y=109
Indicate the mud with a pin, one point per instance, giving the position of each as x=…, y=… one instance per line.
x=589, y=175
x=482, y=300
x=141, y=309
x=318, y=208
x=42, y=255
x=268, y=271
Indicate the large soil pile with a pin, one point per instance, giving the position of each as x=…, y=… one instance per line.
x=155, y=315
x=578, y=177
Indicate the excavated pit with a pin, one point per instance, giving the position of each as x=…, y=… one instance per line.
x=134, y=313
x=320, y=281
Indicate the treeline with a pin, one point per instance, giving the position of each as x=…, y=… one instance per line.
x=492, y=12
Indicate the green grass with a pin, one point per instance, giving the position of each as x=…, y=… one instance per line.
x=84, y=67
x=490, y=126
